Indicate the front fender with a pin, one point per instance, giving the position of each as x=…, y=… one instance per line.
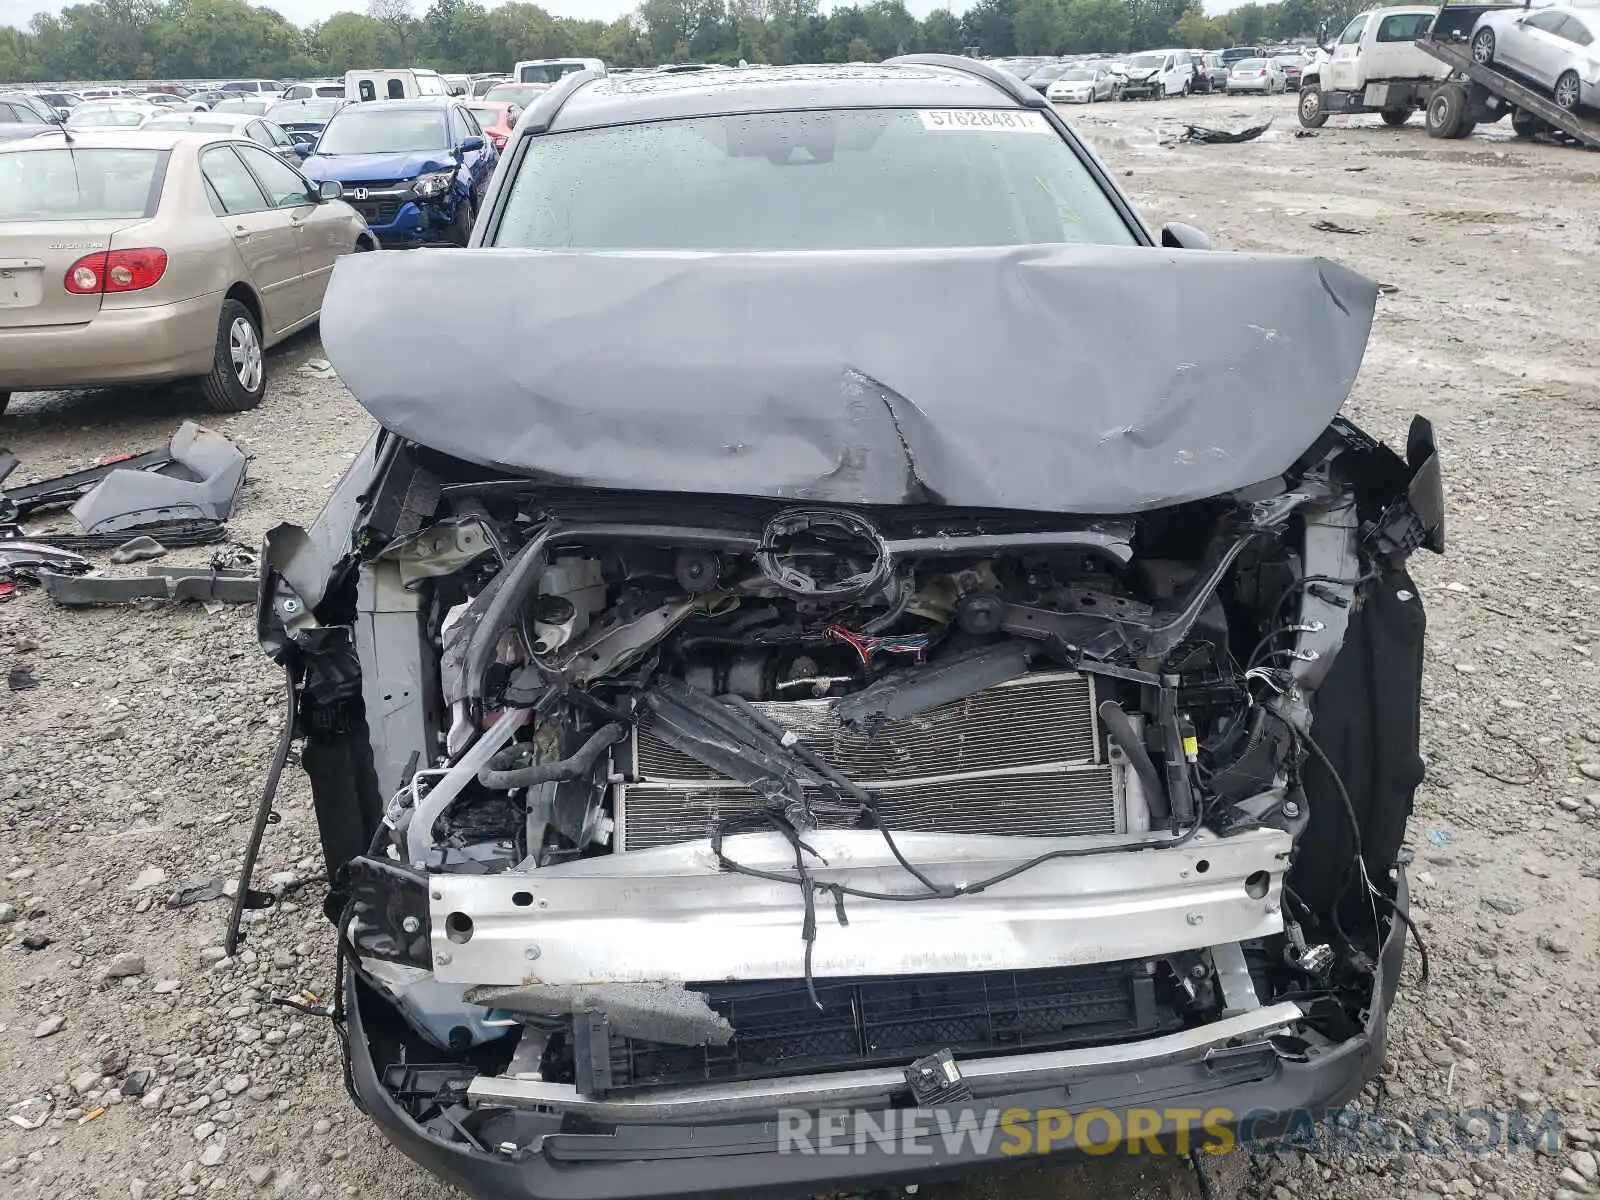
x=1311, y=81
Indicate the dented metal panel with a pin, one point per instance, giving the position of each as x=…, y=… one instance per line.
x=993, y=377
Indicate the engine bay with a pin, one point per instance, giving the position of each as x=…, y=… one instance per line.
x=676, y=790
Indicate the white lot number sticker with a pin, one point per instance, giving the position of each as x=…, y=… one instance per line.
x=985, y=120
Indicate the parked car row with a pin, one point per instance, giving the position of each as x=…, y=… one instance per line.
x=172, y=244
x=1157, y=74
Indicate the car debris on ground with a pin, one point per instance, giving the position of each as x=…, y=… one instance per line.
x=1206, y=135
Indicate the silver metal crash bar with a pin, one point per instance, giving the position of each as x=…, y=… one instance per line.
x=987, y=1076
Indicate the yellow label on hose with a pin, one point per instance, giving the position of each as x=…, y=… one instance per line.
x=1191, y=747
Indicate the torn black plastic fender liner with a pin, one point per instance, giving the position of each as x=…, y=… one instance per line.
x=732, y=745
x=912, y=690
x=988, y=378
x=388, y=909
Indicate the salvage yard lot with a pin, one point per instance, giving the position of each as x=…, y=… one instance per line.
x=132, y=766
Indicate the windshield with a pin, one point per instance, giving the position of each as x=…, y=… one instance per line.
x=1048, y=72
x=106, y=118
x=1078, y=75
x=547, y=72
x=368, y=129
x=515, y=93
x=78, y=184
x=238, y=104
x=486, y=116
x=1145, y=62
x=1289, y=60
x=304, y=110
x=1249, y=64
x=825, y=180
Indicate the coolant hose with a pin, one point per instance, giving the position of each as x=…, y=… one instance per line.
x=1122, y=732
x=501, y=776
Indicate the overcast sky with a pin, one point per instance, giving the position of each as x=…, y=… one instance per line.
x=303, y=12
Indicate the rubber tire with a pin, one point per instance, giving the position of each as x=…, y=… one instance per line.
x=1311, y=99
x=1395, y=117
x=1577, y=91
x=1484, y=38
x=1523, y=123
x=1446, y=111
x=221, y=390
x=5, y=401
x=1159, y=92
x=460, y=231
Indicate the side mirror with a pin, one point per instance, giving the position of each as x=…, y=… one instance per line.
x=1178, y=236
x=330, y=189
x=303, y=149
x=471, y=144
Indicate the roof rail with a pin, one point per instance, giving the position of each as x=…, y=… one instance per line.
x=542, y=113
x=1007, y=83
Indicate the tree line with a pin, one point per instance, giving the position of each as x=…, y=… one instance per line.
x=204, y=39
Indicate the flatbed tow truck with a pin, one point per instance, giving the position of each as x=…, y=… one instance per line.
x=1477, y=93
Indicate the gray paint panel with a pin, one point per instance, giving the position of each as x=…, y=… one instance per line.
x=1053, y=379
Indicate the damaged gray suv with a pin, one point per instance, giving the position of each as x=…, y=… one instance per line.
x=857, y=634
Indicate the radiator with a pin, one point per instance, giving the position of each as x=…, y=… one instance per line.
x=1025, y=758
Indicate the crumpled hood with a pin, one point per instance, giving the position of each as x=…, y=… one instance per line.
x=1048, y=378
x=346, y=167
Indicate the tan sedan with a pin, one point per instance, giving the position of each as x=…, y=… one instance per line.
x=140, y=257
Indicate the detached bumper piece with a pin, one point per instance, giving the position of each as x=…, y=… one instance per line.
x=207, y=585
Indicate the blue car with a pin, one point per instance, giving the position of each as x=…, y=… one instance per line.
x=304, y=120
x=415, y=169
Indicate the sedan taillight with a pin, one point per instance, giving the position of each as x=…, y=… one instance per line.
x=116, y=271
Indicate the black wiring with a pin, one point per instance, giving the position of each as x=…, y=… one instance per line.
x=970, y=889
x=1357, y=864
x=1416, y=936
x=1274, y=630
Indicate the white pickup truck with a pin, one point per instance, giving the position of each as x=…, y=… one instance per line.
x=1374, y=66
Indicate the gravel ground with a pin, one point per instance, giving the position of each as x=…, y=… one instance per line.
x=136, y=1061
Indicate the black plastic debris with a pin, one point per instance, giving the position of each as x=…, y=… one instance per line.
x=199, y=482
x=138, y=550
x=209, y=586
x=1207, y=136
x=26, y=558
x=194, y=478
x=1327, y=226
x=174, y=535
x=21, y=679
x=35, y=941
x=190, y=894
